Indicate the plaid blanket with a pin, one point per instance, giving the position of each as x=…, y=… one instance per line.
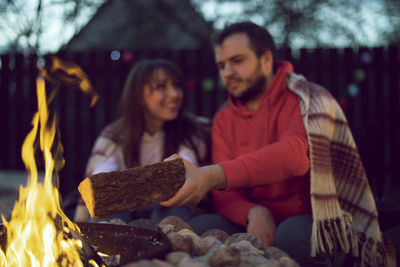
x=343, y=207
x=105, y=145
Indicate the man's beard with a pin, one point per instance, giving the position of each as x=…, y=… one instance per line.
x=255, y=90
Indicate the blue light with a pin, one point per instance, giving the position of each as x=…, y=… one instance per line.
x=353, y=90
x=41, y=63
x=366, y=57
x=115, y=55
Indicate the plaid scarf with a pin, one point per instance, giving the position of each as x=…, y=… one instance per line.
x=343, y=207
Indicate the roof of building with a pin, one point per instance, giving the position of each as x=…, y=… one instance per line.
x=143, y=24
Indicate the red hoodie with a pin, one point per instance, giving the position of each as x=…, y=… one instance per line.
x=263, y=154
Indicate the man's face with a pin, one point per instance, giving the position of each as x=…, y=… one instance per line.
x=241, y=71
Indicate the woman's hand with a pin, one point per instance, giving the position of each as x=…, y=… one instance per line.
x=198, y=182
x=261, y=224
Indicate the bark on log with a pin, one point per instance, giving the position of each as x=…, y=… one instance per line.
x=110, y=193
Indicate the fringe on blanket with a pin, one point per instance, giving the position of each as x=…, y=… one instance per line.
x=328, y=234
x=372, y=253
x=337, y=233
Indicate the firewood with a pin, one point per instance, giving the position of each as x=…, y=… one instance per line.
x=109, y=193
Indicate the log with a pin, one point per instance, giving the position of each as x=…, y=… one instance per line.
x=109, y=193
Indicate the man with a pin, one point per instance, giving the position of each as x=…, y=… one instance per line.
x=280, y=140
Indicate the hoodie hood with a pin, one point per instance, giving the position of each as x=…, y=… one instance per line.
x=271, y=94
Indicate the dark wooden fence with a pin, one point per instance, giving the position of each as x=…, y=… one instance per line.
x=364, y=81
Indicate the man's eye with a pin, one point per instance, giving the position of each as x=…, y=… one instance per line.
x=238, y=60
x=221, y=66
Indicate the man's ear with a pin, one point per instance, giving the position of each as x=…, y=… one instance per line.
x=267, y=60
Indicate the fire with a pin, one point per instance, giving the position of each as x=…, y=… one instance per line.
x=39, y=233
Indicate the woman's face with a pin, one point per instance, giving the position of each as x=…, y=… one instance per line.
x=162, y=98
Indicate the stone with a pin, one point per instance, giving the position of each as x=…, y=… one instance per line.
x=175, y=257
x=251, y=258
x=244, y=245
x=160, y=263
x=177, y=222
x=193, y=235
x=274, y=253
x=181, y=243
x=225, y=256
x=254, y=240
x=206, y=244
x=189, y=262
x=219, y=234
x=117, y=221
x=166, y=228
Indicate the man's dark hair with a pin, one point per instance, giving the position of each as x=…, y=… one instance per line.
x=260, y=39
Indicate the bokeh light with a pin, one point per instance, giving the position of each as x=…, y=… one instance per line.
x=115, y=55
x=190, y=86
x=208, y=84
x=359, y=75
x=353, y=90
x=127, y=56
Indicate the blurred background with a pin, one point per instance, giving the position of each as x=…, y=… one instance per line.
x=351, y=47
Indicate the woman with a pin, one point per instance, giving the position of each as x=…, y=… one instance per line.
x=151, y=127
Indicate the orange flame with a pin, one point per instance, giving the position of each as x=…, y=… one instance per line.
x=75, y=75
x=38, y=233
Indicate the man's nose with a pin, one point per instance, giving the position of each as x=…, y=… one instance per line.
x=227, y=71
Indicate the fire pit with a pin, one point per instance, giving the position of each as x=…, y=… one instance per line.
x=131, y=243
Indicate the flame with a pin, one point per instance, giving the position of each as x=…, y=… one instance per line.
x=39, y=233
x=71, y=74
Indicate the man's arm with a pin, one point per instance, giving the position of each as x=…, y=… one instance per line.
x=261, y=223
x=235, y=204
x=270, y=164
x=285, y=156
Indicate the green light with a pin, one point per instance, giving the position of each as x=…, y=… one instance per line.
x=359, y=75
x=208, y=84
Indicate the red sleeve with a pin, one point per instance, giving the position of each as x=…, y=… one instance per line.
x=231, y=204
x=270, y=164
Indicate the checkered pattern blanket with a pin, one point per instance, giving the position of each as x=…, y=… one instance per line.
x=343, y=206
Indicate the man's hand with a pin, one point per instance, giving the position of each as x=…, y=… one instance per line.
x=261, y=224
x=198, y=182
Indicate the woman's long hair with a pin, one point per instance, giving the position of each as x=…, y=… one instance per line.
x=178, y=131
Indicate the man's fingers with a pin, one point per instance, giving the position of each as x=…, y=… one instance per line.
x=188, y=193
x=179, y=199
x=172, y=157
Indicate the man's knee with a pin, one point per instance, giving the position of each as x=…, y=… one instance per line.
x=294, y=237
x=294, y=232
